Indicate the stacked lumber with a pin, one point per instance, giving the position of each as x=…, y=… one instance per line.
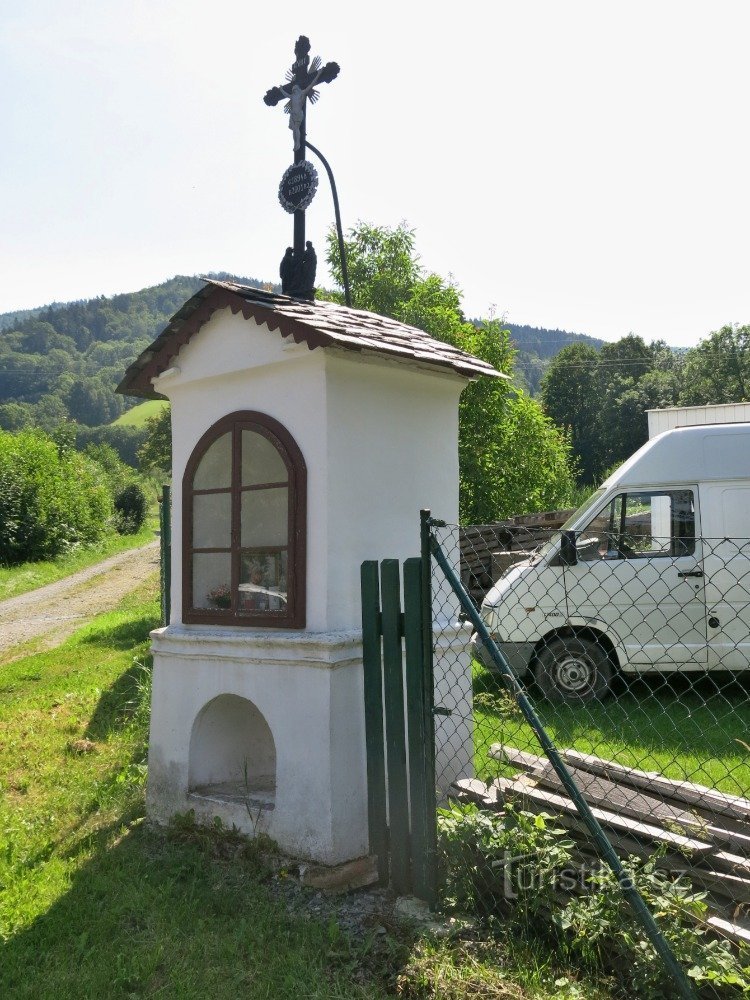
x=705, y=834
x=480, y=542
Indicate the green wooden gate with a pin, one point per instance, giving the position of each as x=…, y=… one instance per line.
x=399, y=724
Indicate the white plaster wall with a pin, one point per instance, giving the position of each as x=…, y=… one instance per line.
x=309, y=691
x=380, y=441
x=234, y=364
x=392, y=451
x=454, y=733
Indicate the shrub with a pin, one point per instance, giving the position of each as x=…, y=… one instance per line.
x=130, y=509
x=499, y=863
x=515, y=866
x=125, y=440
x=49, y=501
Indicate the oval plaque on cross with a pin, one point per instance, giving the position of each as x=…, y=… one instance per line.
x=298, y=186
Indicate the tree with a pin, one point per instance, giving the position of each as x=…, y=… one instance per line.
x=155, y=454
x=570, y=396
x=718, y=369
x=602, y=397
x=511, y=457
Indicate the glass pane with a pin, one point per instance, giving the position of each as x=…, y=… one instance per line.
x=262, y=581
x=264, y=517
x=214, y=470
x=659, y=524
x=212, y=574
x=212, y=521
x=261, y=461
x=598, y=540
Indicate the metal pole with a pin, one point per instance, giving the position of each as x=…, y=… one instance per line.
x=342, y=248
x=299, y=215
x=428, y=690
x=629, y=890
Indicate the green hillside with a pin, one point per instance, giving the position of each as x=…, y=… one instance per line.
x=139, y=414
x=63, y=362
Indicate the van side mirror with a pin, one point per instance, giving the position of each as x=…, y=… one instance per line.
x=568, y=550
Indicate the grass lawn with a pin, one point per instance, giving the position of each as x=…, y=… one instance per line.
x=686, y=729
x=29, y=576
x=138, y=415
x=95, y=903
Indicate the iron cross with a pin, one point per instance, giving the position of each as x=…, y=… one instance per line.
x=301, y=81
x=298, y=267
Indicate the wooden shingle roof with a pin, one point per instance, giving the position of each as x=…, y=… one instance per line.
x=317, y=324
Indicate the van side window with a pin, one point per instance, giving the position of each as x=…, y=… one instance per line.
x=641, y=525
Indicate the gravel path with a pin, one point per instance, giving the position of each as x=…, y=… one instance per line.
x=53, y=612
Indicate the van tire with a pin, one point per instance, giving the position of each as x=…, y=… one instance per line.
x=573, y=670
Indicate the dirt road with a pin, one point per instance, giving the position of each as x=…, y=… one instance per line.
x=53, y=612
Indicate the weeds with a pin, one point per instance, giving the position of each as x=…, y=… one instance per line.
x=520, y=869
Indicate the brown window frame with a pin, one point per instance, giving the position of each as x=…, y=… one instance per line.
x=293, y=616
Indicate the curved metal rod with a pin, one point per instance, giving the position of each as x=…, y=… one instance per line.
x=342, y=248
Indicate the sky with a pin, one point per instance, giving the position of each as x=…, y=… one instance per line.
x=578, y=165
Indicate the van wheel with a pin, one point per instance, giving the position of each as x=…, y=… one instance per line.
x=573, y=670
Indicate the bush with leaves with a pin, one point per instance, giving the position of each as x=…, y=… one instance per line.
x=499, y=864
x=515, y=866
x=51, y=498
x=600, y=930
x=130, y=509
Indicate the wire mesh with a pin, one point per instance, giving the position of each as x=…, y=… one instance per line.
x=635, y=652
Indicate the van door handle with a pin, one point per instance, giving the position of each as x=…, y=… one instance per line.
x=692, y=572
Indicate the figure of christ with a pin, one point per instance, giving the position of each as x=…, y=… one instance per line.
x=300, y=85
x=297, y=96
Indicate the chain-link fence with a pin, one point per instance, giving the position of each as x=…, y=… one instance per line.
x=633, y=647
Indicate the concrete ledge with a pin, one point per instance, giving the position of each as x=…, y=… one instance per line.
x=326, y=650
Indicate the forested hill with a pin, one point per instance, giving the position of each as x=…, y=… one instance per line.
x=63, y=361
x=536, y=347
x=546, y=343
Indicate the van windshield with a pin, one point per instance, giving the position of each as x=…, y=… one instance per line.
x=554, y=538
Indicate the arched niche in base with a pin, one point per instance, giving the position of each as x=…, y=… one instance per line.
x=232, y=753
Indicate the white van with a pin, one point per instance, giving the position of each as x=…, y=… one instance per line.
x=652, y=573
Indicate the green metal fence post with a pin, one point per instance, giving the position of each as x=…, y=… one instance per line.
x=398, y=796
x=428, y=695
x=165, y=553
x=374, y=737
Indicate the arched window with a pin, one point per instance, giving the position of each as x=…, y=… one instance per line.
x=244, y=514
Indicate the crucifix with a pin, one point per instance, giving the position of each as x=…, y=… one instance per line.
x=298, y=266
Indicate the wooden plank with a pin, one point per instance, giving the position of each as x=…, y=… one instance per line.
x=622, y=799
x=395, y=737
x=653, y=808
x=374, y=734
x=474, y=790
x=719, y=803
x=563, y=807
x=732, y=887
x=519, y=758
x=738, y=843
x=428, y=692
x=739, y=933
x=733, y=863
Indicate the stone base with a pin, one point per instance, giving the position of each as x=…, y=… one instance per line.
x=265, y=731
x=341, y=878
